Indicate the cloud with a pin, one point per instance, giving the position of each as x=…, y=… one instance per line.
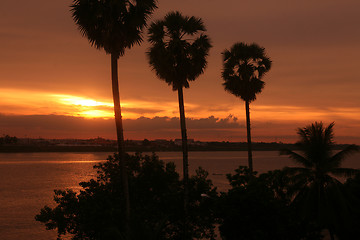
x=141, y=110
x=205, y=129
x=29, y=102
x=59, y=126
x=156, y=123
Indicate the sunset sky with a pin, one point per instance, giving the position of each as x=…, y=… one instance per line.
x=53, y=84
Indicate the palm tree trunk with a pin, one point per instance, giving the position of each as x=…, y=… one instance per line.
x=249, y=135
x=120, y=139
x=185, y=158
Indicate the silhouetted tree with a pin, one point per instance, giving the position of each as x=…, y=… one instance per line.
x=113, y=25
x=8, y=140
x=146, y=142
x=178, y=55
x=257, y=208
x=157, y=214
x=243, y=68
x=320, y=194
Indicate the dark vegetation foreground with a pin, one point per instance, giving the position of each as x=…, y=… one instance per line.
x=292, y=203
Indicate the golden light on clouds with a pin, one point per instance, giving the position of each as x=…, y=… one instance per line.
x=267, y=120
x=95, y=114
x=25, y=102
x=22, y=102
x=80, y=101
x=288, y=113
x=85, y=107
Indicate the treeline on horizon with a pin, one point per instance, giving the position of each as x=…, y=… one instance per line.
x=14, y=144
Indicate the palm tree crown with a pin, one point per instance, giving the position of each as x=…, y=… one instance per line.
x=113, y=25
x=177, y=55
x=318, y=162
x=244, y=66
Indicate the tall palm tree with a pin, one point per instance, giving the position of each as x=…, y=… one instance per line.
x=178, y=56
x=243, y=68
x=319, y=191
x=114, y=25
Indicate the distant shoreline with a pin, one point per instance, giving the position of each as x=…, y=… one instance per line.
x=210, y=146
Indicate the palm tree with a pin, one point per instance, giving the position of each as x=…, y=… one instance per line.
x=178, y=56
x=319, y=192
x=243, y=68
x=114, y=25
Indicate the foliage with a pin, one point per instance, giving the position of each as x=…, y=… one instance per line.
x=352, y=186
x=8, y=140
x=156, y=203
x=113, y=25
x=257, y=207
x=177, y=54
x=320, y=195
x=244, y=65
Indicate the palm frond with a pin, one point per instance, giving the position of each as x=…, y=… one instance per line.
x=345, y=172
x=304, y=138
x=295, y=170
x=226, y=55
x=297, y=158
x=337, y=159
x=156, y=32
x=193, y=25
x=329, y=134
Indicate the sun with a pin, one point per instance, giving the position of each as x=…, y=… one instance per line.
x=85, y=107
x=80, y=101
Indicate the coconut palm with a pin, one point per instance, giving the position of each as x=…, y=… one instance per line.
x=243, y=68
x=319, y=189
x=178, y=56
x=114, y=25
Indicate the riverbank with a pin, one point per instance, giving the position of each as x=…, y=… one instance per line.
x=206, y=146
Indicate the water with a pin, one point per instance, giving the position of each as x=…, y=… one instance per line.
x=27, y=181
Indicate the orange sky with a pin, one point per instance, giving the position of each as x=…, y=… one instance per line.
x=52, y=82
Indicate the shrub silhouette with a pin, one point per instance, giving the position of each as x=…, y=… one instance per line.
x=157, y=203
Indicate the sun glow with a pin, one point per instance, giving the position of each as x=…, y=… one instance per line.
x=32, y=102
x=80, y=101
x=96, y=114
x=85, y=107
x=27, y=102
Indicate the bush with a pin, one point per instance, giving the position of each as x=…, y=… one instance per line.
x=258, y=207
x=156, y=197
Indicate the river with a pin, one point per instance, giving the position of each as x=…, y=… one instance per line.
x=27, y=180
